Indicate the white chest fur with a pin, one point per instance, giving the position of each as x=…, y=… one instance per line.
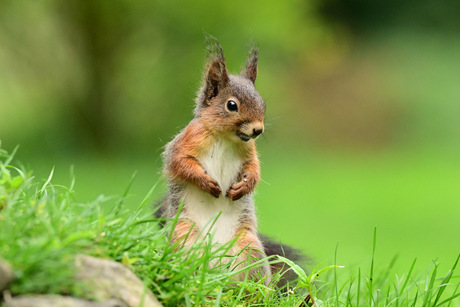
x=223, y=164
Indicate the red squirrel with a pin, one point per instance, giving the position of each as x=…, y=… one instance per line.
x=213, y=168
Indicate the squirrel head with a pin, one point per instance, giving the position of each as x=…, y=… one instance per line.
x=229, y=104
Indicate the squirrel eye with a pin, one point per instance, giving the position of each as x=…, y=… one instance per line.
x=232, y=106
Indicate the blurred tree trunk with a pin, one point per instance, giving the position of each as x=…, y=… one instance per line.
x=98, y=33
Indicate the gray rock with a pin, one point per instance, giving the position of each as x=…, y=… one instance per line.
x=107, y=279
x=48, y=300
x=6, y=275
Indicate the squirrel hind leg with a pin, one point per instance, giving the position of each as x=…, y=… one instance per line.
x=250, y=250
x=185, y=233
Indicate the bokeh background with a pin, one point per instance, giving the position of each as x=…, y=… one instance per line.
x=363, y=110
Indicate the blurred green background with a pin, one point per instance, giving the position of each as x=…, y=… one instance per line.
x=362, y=99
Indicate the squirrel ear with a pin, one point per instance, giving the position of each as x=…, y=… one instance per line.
x=216, y=79
x=251, y=65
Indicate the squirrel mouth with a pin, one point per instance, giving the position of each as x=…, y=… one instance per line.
x=244, y=137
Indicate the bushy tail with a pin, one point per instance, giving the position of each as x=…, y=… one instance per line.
x=276, y=248
x=159, y=210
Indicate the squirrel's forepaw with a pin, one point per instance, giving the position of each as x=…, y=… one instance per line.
x=212, y=187
x=237, y=190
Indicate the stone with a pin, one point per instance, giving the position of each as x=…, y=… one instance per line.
x=6, y=275
x=47, y=300
x=106, y=279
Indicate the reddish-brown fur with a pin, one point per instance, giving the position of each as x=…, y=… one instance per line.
x=251, y=250
x=216, y=124
x=184, y=233
x=185, y=166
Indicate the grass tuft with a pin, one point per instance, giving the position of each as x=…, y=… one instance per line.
x=42, y=228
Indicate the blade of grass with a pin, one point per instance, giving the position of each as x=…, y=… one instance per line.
x=359, y=287
x=148, y=196
x=47, y=182
x=335, y=276
x=122, y=200
x=455, y=291
x=415, y=299
x=408, y=275
x=429, y=286
x=445, y=281
x=449, y=300
x=11, y=155
x=219, y=297
x=349, y=296
x=371, y=274
x=387, y=300
x=173, y=224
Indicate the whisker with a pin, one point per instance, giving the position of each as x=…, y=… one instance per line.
x=265, y=138
x=266, y=182
x=267, y=98
x=274, y=118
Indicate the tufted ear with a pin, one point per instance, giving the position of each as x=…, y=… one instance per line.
x=216, y=79
x=251, y=65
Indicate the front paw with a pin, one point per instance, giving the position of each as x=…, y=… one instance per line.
x=211, y=186
x=238, y=190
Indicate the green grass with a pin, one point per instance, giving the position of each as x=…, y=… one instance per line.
x=42, y=227
x=314, y=200
x=319, y=199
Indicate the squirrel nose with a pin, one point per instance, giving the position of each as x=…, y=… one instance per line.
x=257, y=132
